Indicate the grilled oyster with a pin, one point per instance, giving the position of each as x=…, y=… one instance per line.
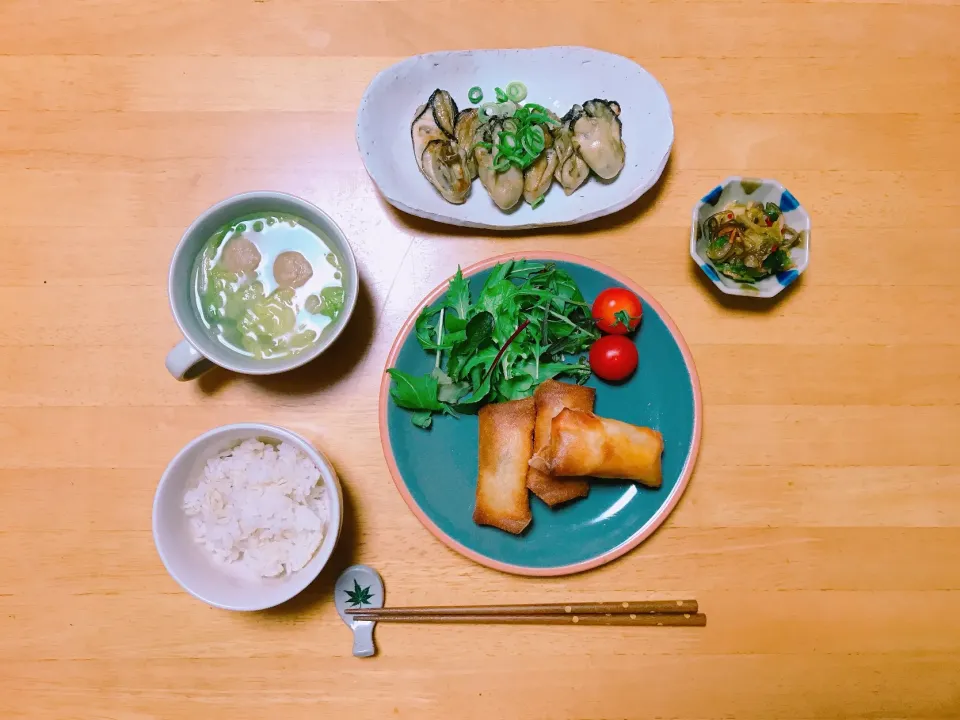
x=597, y=135
x=444, y=166
x=437, y=153
x=464, y=130
x=505, y=188
x=431, y=120
x=572, y=170
x=444, y=110
x=538, y=177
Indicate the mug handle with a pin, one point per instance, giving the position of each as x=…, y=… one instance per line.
x=182, y=359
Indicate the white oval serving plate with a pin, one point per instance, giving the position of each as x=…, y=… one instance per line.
x=556, y=77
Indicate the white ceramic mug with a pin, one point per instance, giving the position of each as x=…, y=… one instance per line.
x=187, y=359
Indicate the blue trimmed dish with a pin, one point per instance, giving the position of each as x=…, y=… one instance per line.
x=743, y=190
x=435, y=470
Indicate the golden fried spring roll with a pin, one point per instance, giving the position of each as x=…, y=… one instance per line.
x=552, y=397
x=583, y=444
x=506, y=446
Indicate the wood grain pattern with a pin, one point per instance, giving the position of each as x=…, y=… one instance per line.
x=820, y=533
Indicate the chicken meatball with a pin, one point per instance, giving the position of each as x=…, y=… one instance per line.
x=291, y=269
x=240, y=255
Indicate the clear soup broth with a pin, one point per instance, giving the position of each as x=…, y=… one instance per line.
x=266, y=285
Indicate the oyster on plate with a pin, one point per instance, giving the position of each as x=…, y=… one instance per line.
x=435, y=149
x=539, y=176
x=572, y=170
x=597, y=134
x=464, y=131
x=506, y=187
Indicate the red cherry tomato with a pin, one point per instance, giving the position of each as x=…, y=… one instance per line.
x=617, y=311
x=613, y=357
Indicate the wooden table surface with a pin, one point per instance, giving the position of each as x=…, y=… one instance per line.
x=820, y=532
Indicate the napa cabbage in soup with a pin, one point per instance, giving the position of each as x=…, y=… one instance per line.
x=267, y=285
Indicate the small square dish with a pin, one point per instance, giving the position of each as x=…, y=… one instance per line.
x=740, y=251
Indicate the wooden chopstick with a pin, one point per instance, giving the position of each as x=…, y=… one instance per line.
x=634, y=619
x=636, y=607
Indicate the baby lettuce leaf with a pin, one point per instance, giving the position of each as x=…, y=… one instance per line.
x=499, y=299
x=529, y=323
x=480, y=361
x=448, y=391
x=580, y=372
x=525, y=268
x=422, y=419
x=477, y=397
x=498, y=274
x=454, y=331
x=458, y=296
x=478, y=332
x=427, y=335
x=415, y=392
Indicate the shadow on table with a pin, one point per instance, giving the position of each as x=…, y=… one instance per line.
x=336, y=362
x=619, y=219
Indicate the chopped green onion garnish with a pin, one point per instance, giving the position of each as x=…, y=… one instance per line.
x=521, y=136
x=538, y=202
x=488, y=111
x=516, y=91
x=532, y=141
x=475, y=94
x=531, y=149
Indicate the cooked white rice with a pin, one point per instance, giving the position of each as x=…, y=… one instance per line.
x=259, y=507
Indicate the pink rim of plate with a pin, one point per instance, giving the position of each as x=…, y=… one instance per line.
x=649, y=527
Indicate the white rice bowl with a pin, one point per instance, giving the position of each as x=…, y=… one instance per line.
x=246, y=516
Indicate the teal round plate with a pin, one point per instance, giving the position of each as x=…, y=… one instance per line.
x=436, y=470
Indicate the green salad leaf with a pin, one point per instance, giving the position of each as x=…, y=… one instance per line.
x=529, y=323
x=415, y=392
x=458, y=296
x=478, y=332
x=422, y=419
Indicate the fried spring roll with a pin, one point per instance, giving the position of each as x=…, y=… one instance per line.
x=506, y=446
x=552, y=397
x=583, y=444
